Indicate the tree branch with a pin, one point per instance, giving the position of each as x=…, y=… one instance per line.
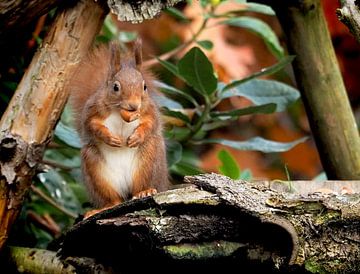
x=50, y=201
x=18, y=13
x=27, y=124
x=33, y=260
x=321, y=85
x=349, y=14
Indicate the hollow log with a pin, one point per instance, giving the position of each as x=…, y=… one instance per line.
x=27, y=124
x=215, y=221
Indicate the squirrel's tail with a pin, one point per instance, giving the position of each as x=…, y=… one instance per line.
x=90, y=75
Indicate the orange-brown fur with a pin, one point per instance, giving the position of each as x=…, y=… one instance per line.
x=93, y=100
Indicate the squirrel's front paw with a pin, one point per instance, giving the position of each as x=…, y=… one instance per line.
x=114, y=141
x=135, y=139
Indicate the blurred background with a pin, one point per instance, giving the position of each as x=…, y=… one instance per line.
x=58, y=196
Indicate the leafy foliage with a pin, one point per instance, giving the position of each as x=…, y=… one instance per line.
x=193, y=112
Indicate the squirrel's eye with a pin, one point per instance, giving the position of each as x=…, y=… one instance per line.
x=116, y=86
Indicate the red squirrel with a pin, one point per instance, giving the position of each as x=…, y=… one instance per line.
x=123, y=153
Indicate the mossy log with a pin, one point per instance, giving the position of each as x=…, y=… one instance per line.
x=33, y=260
x=218, y=221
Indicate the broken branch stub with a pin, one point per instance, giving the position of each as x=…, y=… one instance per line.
x=138, y=11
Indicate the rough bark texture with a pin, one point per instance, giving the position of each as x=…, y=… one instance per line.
x=218, y=221
x=319, y=79
x=27, y=124
x=349, y=14
x=138, y=11
x=15, y=14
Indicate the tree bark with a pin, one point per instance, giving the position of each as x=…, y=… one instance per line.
x=141, y=10
x=349, y=14
x=320, y=82
x=15, y=14
x=27, y=124
x=220, y=222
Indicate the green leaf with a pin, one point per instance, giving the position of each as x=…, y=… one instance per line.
x=68, y=135
x=109, y=29
x=265, y=71
x=264, y=92
x=229, y=165
x=176, y=114
x=171, y=91
x=206, y=44
x=177, y=14
x=214, y=125
x=177, y=133
x=260, y=28
x=259, y=8
x=248, y=7
x=198, y=72
x=164, y=101
x=256, y=144
x=127, y=36
x=10, y=85
x=246, y=175
x=59, y=190
x=320, y=177
x=170, y=67
x=173, y=152
x=262, y=109
x=184, y=169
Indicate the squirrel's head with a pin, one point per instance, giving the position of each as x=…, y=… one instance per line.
x=126, y=87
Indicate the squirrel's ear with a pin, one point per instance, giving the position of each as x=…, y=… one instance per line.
x=138, y=52
x=114, y=56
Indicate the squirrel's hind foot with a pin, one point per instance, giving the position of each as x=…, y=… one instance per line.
x=145, y=193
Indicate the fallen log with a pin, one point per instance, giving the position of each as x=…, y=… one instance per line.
x=217, y=221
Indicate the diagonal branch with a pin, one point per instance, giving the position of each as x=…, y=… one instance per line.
x=27, y=124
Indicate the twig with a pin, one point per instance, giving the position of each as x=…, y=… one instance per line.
x=46, y=222
x=178, y=49
x=52, y=202
x=56, y=164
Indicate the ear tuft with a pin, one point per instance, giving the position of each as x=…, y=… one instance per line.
x=114, y=56
x=138, y=52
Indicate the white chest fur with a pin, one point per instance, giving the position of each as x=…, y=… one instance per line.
x=119, y=162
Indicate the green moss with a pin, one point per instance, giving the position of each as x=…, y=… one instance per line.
x=314, y=267
x=324, y=218
x=202, y=251
x=151, y=212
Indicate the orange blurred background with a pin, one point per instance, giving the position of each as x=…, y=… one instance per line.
x=238, y=53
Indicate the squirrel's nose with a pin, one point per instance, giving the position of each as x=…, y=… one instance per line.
x=132, y=106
